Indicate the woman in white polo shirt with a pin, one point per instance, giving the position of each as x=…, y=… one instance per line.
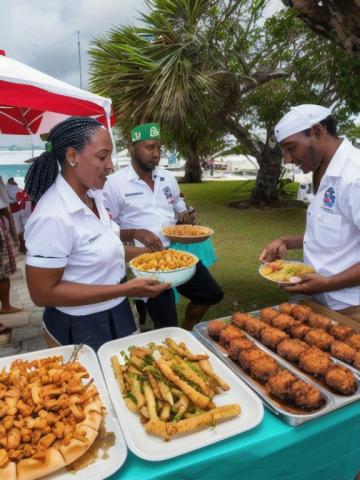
x=75, y=264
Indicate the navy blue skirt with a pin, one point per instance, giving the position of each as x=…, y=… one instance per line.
x=93, y=329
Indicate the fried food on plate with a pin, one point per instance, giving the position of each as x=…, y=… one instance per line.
x=319, y=321
x=286, y=307
x=319, y=338
x=356, y=361
x=315, y=361
x=280, y=384
x=301, y=312
x=305, y=395
x=229, y=333
x=254, y=327
x=239, y=319
x=267, y=314
x=343, y=351
x=341, y=379
x=299, y=330
x=284, y=271
x=187, y=230
x=340, y=331
x=246, y=357
x=215, y=327
x=263, y=368
x=237, y=345
x=283, y=322
x=291, y=349
x=271, y=336
x=163, y=261
x=354, y=341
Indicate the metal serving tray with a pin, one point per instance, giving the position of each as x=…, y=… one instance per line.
x=286, y=414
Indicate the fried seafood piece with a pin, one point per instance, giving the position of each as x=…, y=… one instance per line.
x=283, y=321
x=319, y=321
x=354, y=341
x=340, y=331
x=271, y=336
x=320, y=338
x=215, y=327
x=301, y=312
x=305, y=396
x=299, y=330
x=356, y=361
x=343, y=351
x=239, y=318
x=246, y=357
x=341, y=379
x=280, y=384
x=315, y=361
x=228, y=333
x=286, y=307
x=237, y=345
x=263, y=368
x=267, y=314
x=253, y=327
x=291, y=349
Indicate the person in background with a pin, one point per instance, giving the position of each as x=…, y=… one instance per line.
x=142, y=199
x=18, y=209
x=75, y=262
x=309, y=139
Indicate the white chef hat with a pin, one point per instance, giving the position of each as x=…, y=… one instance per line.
x=300, y=118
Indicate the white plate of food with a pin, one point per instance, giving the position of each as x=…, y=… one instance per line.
x=98, y=460
x=169, y=266
x=284, y=272
x=187, y=233
x=180, y=429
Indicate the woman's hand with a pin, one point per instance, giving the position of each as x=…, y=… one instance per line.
x=148, y=239
x=275, y=249
x=310, y=283
x=144, y=287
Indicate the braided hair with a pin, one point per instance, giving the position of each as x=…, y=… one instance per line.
x=73, y=132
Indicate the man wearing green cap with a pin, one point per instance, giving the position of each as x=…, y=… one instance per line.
x=142, y=199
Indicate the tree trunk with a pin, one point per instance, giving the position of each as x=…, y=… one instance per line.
x=265, y=190
x=192, y=165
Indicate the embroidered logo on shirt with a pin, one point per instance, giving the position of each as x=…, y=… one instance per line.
x=92, y=239
x=133, y=194
x=167, y=193
x=329, y=198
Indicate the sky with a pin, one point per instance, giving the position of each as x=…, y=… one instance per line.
x=43, y=34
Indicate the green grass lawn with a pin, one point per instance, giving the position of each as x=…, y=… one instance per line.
x=240, y=235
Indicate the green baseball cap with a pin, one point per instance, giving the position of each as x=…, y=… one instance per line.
x=145, y=131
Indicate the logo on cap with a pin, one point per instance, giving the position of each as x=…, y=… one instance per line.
x=154, y=132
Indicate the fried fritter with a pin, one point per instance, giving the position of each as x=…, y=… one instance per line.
x=237, y=345
x=253, y=327
x=228, y=333
x=354, y=341
x=340, y=331
x=341, y=379
x=283, y=321
x=343, y=351
x=315, y=361
x=319, y=321
x=271, y=336
x=320, y=338
x=356, y=361
x=280, y=384
x=239, y=318
x=247, y=356
x=263, y=368
x=301, y=312
x=305, y=396
x=299, y=330
x=215, y=327
x=291, y=349
x=286, y=307
x=267, y=314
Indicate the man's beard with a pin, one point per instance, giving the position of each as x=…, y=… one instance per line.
x=143, y=165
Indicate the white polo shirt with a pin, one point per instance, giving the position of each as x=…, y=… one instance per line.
x=332, y=236
x=63, y=232
x=134, y=205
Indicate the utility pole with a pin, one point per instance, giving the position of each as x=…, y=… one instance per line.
x=79, y=51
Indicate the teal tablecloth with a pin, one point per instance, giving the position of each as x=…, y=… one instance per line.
x=327, y=448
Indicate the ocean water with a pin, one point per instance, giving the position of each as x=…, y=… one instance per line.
x=18, y=171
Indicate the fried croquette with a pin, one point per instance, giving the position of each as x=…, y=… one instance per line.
x=283, y=321
x=320, y=338
x=247, y=356
x=319, y=321
x=343, y=351
x=237, y=345
x=228, y=333
x=253, y=327
x=356, y=361
x=341, y=379
x=339, y=331
x=280, y=384
x=263, y=368
x=299, y=330
x=267, y=314
x=291, y=349
x=286, y=307
x=271, y=336
x=301, y=312
x=215, y=327
x=354, y=341
x=315, y=361
x=305, y=396
x=239, y=318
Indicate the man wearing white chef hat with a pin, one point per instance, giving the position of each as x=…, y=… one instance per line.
x=308, y=137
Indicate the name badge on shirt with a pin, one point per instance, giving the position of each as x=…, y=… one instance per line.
x=328, y=200
x=133, y=194
x=96, y=237
x=168, y=194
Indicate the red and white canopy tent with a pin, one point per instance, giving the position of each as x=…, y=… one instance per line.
x=33, y=102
